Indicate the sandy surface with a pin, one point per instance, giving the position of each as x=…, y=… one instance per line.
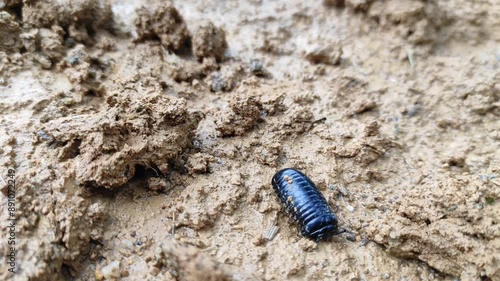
x=144, y=135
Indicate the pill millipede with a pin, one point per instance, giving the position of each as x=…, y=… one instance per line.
x=304, y=202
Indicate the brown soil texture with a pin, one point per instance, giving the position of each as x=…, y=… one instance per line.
x=144, y=136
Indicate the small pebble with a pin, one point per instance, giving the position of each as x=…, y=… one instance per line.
x=412, y=111
x=259, y=240
x=350, y=237
x=111, y=271
x=127, y=244
x=363, y=242
x=307, y=245
x=98, y=275
x=42, y=135
x=256, y=67
x=154, y=271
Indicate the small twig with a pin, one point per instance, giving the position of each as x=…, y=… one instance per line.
x=409, y=54
x=173, y=226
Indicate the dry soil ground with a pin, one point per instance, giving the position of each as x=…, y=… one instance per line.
x=144, y=135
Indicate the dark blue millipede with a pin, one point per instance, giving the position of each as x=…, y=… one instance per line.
x=305, y=203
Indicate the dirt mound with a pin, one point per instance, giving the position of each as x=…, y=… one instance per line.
x=137, y=125
x=161, y=20
x=449, y=224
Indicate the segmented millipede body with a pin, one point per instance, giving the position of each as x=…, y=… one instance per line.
x=305, y=203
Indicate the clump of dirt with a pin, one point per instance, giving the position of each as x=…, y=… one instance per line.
x=62, y=225
x=482, y=98
x=327, y=54
x=49, y=34
x=85, y=72
x=104, y=147
x=162, y=21
x=187, y=263
x=9, y=32
x=189, y=71
x=446, y=224
x=209, y=41
x=414, y=20
x=206, y=206
x=199, y=163
x=358, y=5
x=78, y=18
x=409, y=15
x=46, y=45
x=245, y=111
x=242, y=116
